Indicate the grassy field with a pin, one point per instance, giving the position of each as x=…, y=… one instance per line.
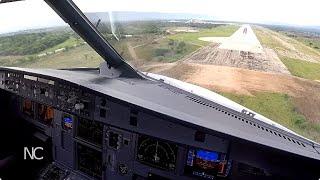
x=281, y=109
x=81, y=56
x=31, y=43
x=9, y=60
x=303, y=69
x=150, y=52
x=303, y=48
x=220, y=31
x=313, y=43
x=69, y=43
x=281, y=42
x=151, y=47
x=191, y=41
x=268, y=41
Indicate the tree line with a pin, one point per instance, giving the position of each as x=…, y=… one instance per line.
x=31, y=43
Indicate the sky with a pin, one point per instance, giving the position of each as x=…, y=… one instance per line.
x=37, y=14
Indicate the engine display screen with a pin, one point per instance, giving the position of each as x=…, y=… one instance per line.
x=90, y=130
x=28, y=108
x=205, y=164
x=45, y=114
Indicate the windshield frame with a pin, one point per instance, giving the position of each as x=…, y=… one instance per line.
x=76, y=19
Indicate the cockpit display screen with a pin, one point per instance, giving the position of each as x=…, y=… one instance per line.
x=67, y=122
x=204, y=163
x=45, y=114
x=28, y=108
x=207, y=155
x=90, y=131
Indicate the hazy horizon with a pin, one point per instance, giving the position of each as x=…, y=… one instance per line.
x=283, y=13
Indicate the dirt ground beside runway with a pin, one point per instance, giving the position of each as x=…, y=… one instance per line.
x=245, y=82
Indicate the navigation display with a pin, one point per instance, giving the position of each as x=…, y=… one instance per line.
x=157, y=153
x=204, y=163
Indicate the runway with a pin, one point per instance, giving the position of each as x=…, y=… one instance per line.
x=242, y=49
x=243, y=39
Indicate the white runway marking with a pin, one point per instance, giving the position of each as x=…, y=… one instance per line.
x=243, y=39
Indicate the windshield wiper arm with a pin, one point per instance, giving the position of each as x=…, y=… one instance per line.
x=8, y=1
x=72, y=15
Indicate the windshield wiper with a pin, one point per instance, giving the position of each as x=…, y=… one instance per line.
x=7, y=1
x=72, y=15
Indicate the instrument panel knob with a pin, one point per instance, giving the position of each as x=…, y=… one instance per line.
x=79, y=106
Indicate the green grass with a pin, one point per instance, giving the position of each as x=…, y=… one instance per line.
x=148, y=52
x=32, y=43
x=281, y=109
x=69, y=43
x=277, y=41
x=191, y=40
x=309, y=46
x=81, y=56
x=29, y=60
x=303, y=69
x=267, y=40
x=9, y=60
x=220, y=31
x=313, y=43
x=303, y=48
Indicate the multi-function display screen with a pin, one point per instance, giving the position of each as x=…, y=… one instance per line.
x=157, y=153
x=45, y=114
x=90, y=130
x=89, y=161
x=67, y=121
x=28, y=108
x=204, y=163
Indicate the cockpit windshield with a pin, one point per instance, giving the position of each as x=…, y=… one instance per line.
x=251, y=52
x=32, y=35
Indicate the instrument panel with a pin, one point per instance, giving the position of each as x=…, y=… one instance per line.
x=92, y=139
x=91, y=131
x=59, y=94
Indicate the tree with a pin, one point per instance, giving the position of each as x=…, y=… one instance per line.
x=171, y=42
x=161, y=51
x=152, y=28
x=181, y=47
